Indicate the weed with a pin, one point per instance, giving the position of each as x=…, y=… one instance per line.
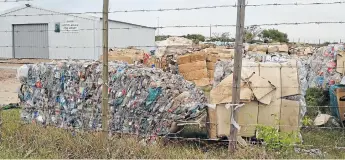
x=35, y=142
x=275, y=140
x=307, y=121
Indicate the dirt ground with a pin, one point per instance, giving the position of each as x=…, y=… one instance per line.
x=22, y=61
x=9, y=84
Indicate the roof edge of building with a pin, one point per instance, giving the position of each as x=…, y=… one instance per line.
x=142, y=26
x=90, y=17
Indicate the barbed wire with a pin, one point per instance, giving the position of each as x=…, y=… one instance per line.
x=252, y=143
x=255, y=25
x=242, y=125
x=4, y=1
x=273, y=88
x=219, y=140
x=187, y=26
x=242, y=104
x=282, y=64
x=186, y=8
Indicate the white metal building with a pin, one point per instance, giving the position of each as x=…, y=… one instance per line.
x=32, y=32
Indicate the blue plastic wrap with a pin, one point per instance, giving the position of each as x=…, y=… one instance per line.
x=334, y=100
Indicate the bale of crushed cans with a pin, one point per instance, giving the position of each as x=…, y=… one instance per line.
x=142, y=101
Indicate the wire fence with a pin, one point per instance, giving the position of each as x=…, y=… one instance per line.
x=194, y=8
x=13, y=1
x=73, y=39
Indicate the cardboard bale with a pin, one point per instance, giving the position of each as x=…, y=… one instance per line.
x=211, y=65
x=340, y=63
x=272, y=49
x=183, y=59
x=289, y=116
x=289, y=80
x=225, y=53
x=252, y=47
x=213, y=50
x=269, y=114
x=199, y=56
x=261, y=88
x=283, y=48
x=202, y=82
x=212, y=58
x=225, y=56
x=210, y=73
x=247, y=119
x=212, y=126
x=134, y=54
x=195, y=75
x=121, y=58
x=223, y=92
x=223, y=120
x=228, y=51
x=189, y=67
x=211, y=80
x=262, y=48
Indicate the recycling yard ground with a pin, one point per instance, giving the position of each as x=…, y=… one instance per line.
x=32, y=141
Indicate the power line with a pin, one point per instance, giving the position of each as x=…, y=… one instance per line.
x=186, y=8
x=295, y=4
x=196, y=26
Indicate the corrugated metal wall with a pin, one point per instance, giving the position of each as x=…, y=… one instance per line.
x=84, y=44
x=30, y=41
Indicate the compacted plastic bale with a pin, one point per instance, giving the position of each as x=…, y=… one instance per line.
x=142, y=101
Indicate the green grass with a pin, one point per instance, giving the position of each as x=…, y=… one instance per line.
x=33, y=141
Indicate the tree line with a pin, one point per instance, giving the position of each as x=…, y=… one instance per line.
x=252, y=34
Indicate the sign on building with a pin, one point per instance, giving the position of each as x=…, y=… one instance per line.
x=57, y=27
x=69, y=27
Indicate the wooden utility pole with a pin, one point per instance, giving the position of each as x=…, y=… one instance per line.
x=210, y=31
x=105, y=70
x=158, y=26
x=236, y=85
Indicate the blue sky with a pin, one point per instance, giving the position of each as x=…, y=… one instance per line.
x=254, y=15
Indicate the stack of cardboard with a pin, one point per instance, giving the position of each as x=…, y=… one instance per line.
x=199, y=66
x=125, y=55
x=211, y=61
x=215, y=54
x=193, y=68
x=271, y=48
x=341, y=62
x=223, y=53
x=174, y=46
x=262, y=91
x=302, y=51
